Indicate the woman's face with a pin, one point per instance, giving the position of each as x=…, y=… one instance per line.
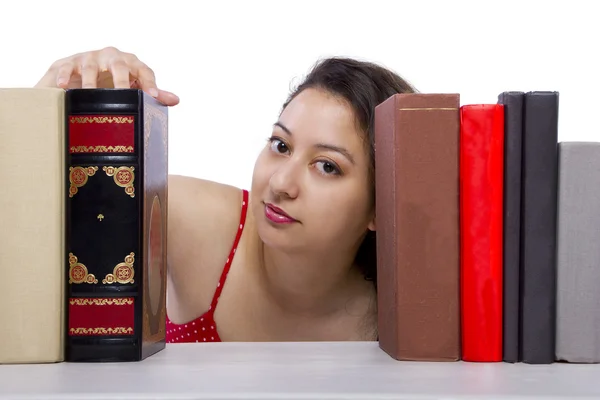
x=310, y=188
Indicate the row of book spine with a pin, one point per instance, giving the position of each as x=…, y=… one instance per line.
x=486, y=228
x=487, y=231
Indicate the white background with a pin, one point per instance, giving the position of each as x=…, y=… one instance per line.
x=233, y=62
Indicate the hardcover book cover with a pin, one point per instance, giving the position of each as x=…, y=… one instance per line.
x=417, y=208
x=511, y=262
x=117, y=142
x=32, y=215
x=538, y=227
x=578, y=256
x=481, y=209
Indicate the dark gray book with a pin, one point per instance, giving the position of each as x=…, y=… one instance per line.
x=578, y=268
x=513, y=131
x=538, y=227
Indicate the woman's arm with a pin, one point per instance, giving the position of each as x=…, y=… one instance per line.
x=202, y=215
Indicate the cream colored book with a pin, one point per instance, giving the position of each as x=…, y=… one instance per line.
x=32, y=206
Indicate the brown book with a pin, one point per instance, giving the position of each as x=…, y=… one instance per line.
x=32, y=205
x=417, y=208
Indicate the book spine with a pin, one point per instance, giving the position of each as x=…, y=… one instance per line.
x=481, y=207
x=32, y=247
x=578, y=258
x=513, y=129
x=154, y=228
x=104, y=197
x=417, y=144
x=386, y=238
x=538, y=227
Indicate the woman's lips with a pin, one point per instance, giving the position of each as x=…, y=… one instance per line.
x=277, y=215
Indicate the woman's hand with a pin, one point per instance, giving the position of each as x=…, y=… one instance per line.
x=106, y=68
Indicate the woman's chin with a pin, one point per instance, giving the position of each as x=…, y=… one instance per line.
x=280, y=239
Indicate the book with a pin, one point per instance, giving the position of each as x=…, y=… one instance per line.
x=481, y=212
x=578, y=255
x=538, y=227
x=32, y=211
x=511, y=262
x=417, y=222
x=116, y=231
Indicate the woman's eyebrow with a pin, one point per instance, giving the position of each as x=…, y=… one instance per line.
x=340, y=150
x=323, y=146
x=279, y=124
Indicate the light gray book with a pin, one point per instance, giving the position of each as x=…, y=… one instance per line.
x=578, y=257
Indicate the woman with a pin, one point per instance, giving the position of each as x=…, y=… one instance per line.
x=293, y=259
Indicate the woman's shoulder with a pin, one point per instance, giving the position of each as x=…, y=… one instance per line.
x=202, y=210
x=203, y=218
x=201, y=196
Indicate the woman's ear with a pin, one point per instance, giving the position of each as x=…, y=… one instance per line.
x=371, y=225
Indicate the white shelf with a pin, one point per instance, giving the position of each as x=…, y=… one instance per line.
x=328, y=371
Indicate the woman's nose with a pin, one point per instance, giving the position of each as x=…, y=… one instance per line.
x=284, y=181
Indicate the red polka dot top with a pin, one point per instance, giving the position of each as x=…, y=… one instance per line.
x=204, y=328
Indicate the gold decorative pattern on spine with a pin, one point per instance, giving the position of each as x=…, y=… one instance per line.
x=78, y=176
x=122, y=273
x=123, y=176
x=101, y=302
x=101, y=331
x=102, y=149
x=78, y=273
x=101, y=120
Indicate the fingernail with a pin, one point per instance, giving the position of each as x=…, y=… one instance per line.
x=153, y=92
x=61, y=81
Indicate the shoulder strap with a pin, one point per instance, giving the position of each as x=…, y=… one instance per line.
x=223, y=277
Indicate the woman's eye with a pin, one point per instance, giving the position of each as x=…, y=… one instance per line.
x=278, y=146
x=328, y=168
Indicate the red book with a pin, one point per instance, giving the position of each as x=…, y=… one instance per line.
x=481, y=207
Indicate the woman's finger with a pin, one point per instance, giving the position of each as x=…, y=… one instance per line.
x=89, y=73
x=147, y=80
x=110, y=59
x=63, y=76
x=167, y=98
x=120, y=72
